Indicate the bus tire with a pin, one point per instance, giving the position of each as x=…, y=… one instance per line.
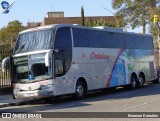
x=141, y=80
x=134, y=82
x=81, y=90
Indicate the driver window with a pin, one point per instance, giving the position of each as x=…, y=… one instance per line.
x=59, y=67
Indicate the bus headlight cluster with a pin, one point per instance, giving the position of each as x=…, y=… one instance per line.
x=43, y=87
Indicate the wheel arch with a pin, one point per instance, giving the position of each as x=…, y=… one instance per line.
x=133, y=74
x=82, y=79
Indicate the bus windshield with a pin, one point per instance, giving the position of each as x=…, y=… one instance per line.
x=35, y=40
x=32, y=68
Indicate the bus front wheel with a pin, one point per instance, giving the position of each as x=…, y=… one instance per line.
x=81, y=90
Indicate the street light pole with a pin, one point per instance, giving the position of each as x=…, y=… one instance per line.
x=158, y=33
x=156, y=24
x=113, y=15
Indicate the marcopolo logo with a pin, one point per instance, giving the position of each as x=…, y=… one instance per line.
x=6, y=6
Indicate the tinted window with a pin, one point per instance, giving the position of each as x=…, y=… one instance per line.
x=63, y=38
x=149, y=43
x=103, y=39
x=59, y=67
x=138, y=42
x=96, y=39
x=34, y=40
x=80, y=37
x=130, y=42
x=112, y=40
x=63, y=43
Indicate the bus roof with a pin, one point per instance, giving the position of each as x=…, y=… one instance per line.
x=37, y=28
x=102, y=28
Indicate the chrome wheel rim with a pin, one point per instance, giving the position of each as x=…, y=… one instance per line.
x=133, y=83
x=141, y=81
x=80, y=90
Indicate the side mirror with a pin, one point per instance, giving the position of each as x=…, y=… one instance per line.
x=47, y=58
x=4, y=61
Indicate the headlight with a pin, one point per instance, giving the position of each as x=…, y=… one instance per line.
x=43, y=87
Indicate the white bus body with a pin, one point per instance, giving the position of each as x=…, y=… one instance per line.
x=67, y=59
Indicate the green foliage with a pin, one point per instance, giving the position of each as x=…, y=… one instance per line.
x=117, y=4
x=100, y=22
x=8, y=34
x=138, y=13
x=82, y=16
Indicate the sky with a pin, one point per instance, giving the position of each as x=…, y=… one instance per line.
x=35, y=10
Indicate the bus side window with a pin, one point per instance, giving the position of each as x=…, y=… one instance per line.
x=63, y=43
x=59, y=67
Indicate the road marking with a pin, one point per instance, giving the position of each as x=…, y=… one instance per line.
x=135, y=106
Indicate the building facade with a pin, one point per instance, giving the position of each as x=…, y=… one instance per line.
x=58, y=18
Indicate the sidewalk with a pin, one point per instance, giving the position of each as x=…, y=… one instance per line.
x=7, y=100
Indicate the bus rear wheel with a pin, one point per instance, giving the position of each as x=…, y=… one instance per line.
x=141, y=80
x=81, y=90
x=134, y=82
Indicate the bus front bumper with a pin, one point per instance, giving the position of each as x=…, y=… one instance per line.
x=33, y=94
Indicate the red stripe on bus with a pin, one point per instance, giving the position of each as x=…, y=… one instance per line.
x=108, y=82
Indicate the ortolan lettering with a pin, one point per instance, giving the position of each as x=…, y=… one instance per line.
x=99, y=56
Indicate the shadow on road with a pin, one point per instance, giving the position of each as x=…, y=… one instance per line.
x=66, y=102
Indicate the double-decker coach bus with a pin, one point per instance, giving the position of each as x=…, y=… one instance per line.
x=71, y=59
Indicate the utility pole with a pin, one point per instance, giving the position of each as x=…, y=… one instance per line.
x=157, y=26
x=157, y=39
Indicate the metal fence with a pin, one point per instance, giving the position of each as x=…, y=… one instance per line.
x=5, y=77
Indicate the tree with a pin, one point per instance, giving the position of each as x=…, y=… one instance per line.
x=8, y=34
x=99, y=22
x=89, y=22
x=137, y=12
x=82, y=16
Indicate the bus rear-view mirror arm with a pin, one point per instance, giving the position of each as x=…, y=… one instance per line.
x=4, y=61
x=48, y=57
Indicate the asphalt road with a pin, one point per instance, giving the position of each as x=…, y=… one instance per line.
x=146, y=99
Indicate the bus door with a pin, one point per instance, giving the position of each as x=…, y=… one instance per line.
x=59, y=72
